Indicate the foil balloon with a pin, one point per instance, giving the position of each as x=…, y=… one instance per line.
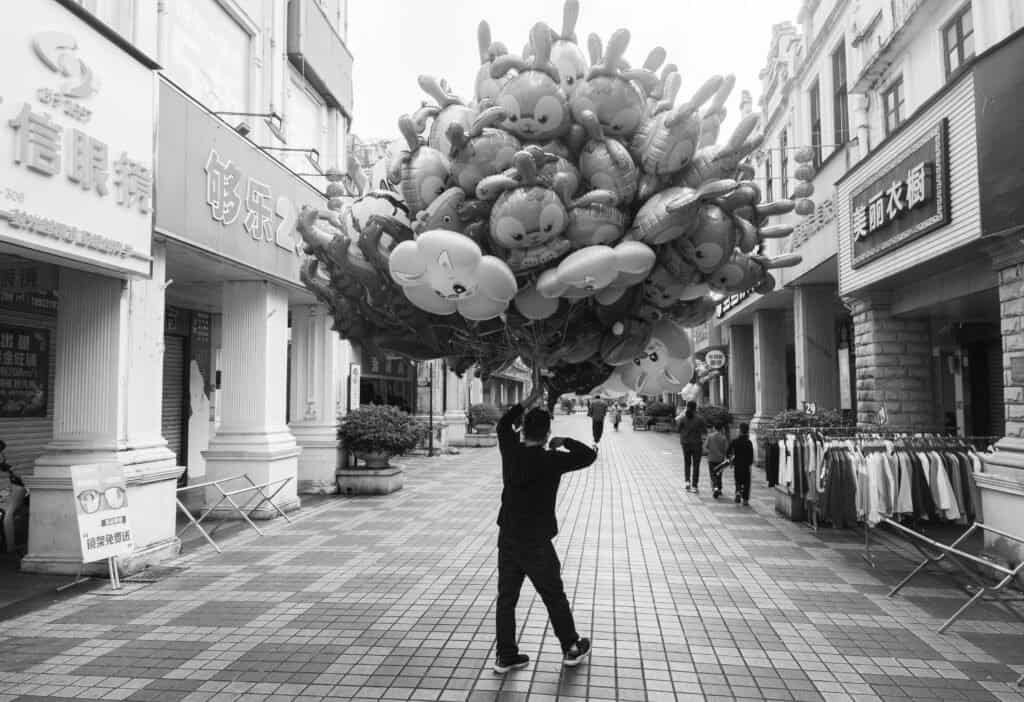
x=486, y=86
x=580, y=274
x=444, y=272
x=595, y=218
x=420, y=171
x=450, y=110
x=533, y=99
x=482, y=150
x=532, y=305
x=664, y=364
x=605, y=163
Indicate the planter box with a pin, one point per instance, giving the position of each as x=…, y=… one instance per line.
x=369, y=481
x=476, y=441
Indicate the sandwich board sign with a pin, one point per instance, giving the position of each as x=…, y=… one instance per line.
x=101, y=507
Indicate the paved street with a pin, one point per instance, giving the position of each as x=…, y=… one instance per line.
x=392, y=598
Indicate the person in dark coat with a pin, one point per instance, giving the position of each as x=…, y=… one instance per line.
x=531, y=471
x=597, y=411
x=692, y=429
x=742, y=453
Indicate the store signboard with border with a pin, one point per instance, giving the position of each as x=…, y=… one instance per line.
x=908, y=200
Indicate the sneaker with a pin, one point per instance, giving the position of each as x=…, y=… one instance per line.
x=716, y=494
x=576, y=653
x=503, y=665
x=687, y=488
x=746, y=503
x=736, y=499
x=696, y=489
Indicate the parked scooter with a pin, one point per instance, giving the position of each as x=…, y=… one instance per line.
x=14, y=506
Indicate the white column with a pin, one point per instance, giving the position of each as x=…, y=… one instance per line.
x=769, y=365
x=457, y=404
x=814, y=326
x=107, y=405
x=319, y=372
x=253, y=438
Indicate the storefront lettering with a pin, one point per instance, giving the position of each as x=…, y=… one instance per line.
x=732, y=301
x=38, y=148
x=44, y=226
x=895, y=201
x=224, y=198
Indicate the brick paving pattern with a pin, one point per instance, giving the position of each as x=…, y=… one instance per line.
x=392, y=598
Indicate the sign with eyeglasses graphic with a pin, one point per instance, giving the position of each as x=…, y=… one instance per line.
x=101, y=505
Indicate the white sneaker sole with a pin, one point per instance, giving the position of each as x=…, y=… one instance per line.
x=502, y=669
x=572, y=663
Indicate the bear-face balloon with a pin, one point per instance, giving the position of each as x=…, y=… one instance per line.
x=534, y=102
x=665, y=363
x=445, y=272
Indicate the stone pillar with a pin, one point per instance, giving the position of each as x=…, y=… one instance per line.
x=741, y=371
x=253, y=438
x=814, y=322
x=106, y=408
x=894, y=365
x=769, y=365
x=1001, y=484
x=716, y=396
x=319, y=373
x=456, y=402
x=429, y=400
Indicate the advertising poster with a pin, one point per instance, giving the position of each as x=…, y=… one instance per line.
x=24, y=371
x=101, y=506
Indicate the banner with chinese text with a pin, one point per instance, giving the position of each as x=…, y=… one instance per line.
x=101, y=506
x=24, y=371
x=907, y=201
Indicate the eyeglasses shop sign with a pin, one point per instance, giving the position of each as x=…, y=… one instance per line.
x=909, y=200
x=76, y=114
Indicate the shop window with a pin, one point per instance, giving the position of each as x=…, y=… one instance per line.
x=892, y=105
x=783, y=164
x=958, y=40
x=840, y=110
x=814, y=95
x=210, y=53
x=305, y=120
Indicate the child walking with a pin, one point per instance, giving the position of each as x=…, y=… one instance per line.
x=716, y=447
x=742, y=453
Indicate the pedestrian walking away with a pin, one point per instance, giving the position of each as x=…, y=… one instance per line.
x=716, y=447
x=691, y=428
x=742, y=453
x=616, y=416
x=598, y=408
x=531, y=470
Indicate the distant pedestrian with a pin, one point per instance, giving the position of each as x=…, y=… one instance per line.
x=616, y=412
x=716, y=447
x=598, y=408
x=742, y=453
x=531, y=473
x=691, y=428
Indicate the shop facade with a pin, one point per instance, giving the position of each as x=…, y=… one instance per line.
x=259, y=374
x=81, y=305
x=998, y=90
x=917, y=279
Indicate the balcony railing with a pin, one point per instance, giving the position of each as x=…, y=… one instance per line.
x=883, y=48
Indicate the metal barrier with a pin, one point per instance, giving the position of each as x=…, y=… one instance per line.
x=936, y=552
x=244, y=511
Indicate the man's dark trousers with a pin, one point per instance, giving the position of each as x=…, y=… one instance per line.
x=538, y=561
x=598, y=426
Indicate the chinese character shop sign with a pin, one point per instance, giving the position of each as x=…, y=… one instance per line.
x=909, y=200
x=24, y=371
x=219, y=193
x=76, y=113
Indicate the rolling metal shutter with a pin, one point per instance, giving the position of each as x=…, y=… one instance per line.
x=173, y=415
x=997, y=410
x=27, y=437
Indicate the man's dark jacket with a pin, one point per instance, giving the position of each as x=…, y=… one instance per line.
x=530, y=475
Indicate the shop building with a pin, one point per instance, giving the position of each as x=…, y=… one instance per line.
x=81, y=283
x=913, y=268
x=254, y=378
x=790, y=348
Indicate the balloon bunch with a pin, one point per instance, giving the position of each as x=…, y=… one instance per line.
x=574, y=214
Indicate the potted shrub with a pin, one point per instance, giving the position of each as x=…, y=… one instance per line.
x=715, y=415
x=483, y=418
x=375, y=433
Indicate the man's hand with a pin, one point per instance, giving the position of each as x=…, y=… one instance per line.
x=556, y=442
